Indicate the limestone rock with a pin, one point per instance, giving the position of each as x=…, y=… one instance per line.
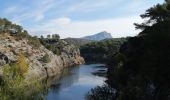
x=10, y=48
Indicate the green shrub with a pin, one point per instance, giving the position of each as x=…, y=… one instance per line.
x=23, y=64
x=57, y=51
x=45, y=58
x=14, y=87
x=34, y=41
x=12, y=81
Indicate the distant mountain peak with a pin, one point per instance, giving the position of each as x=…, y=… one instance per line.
x=99, y=36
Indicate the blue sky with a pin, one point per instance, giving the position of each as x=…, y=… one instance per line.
x=76, y=18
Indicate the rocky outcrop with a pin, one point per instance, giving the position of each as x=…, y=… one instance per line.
x=10, y=48
x=3, y=59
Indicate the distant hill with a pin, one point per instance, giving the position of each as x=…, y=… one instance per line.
x=77, y=41
x=99, y=36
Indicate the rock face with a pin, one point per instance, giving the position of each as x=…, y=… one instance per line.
x=10, y=48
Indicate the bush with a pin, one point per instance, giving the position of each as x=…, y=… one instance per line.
x=57, y=51
x=45, y=58
x=12, y=81
x=34, y=41
x=23, y=65
x=14, y=87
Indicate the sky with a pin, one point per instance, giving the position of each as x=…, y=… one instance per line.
x=76, y=18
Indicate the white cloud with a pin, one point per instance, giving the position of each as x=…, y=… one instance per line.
x=36, y=13
x=87, y=6
x=119, y=27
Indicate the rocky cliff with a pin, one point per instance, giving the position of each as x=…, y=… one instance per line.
x=10, y=48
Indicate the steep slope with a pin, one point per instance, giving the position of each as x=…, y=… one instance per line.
x=41, y=61
x=10, y=49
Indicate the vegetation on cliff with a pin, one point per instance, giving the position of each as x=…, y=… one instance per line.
x=45, y=58
x=101, y=51
x=18, y=32
x=141, y=70
x=24, y=61
x=13, y=85
x=78, y=41
x=53, y=43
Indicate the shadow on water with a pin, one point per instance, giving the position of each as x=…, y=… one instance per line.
x=104, y=92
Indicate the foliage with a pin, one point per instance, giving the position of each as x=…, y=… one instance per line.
x=34, y=41
x=158, y=13
x=101, y=51
x=14, y=86
x=12, y=80
x=141, y=70
x=53, y=44
x=45, y=58
x=57, y=51
x=77, y=41
x=103, y=92
x=18, y=32
x=8, y=27
x=23, y=64
x=55, y=36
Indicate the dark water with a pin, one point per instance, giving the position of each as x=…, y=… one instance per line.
x=76, y=82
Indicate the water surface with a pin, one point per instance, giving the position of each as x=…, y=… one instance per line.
x=76, y=82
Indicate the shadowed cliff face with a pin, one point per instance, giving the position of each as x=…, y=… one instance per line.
x=10, y=48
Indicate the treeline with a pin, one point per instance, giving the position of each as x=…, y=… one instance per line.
x=78, y=41
x=141, y=69
x=101, y=51
x=18, y=32
x=51, y=42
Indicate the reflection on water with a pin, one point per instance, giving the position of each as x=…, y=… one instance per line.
x=75, y=83
x=104, y=92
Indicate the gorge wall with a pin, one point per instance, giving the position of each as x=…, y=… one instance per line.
x=11, y=48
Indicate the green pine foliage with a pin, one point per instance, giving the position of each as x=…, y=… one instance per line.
x=45, y=58
x=141, y=72
x=53, y=43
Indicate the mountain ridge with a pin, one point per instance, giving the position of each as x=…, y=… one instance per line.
x=99, y=36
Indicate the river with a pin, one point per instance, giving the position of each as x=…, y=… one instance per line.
x=76, y=82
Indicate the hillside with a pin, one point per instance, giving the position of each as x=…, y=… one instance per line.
x=101, y=51
x=77, y=41
x=140, y=71
x=99, y=36
x=40, y=60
